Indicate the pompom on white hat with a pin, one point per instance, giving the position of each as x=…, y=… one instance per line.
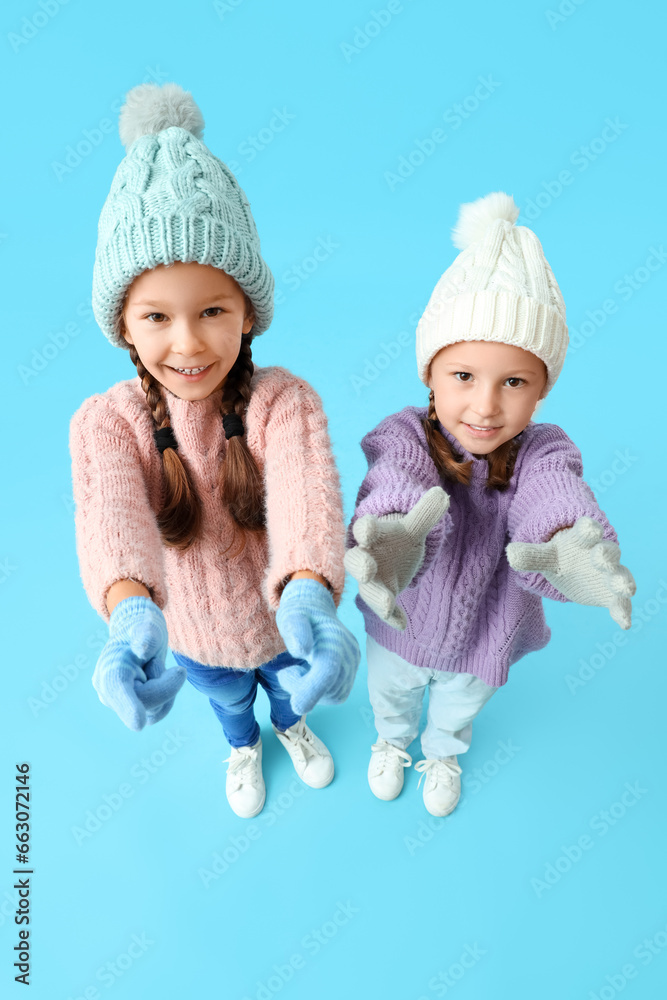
x=500, y=288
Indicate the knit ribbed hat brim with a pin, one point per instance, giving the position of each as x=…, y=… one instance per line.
x=165, y=239
x=494, y=316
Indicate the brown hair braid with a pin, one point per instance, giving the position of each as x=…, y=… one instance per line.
x=449, y=464
x=241, y=483
x=180, y=516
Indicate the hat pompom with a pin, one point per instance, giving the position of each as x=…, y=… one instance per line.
x=475, y=217
x=149, y=109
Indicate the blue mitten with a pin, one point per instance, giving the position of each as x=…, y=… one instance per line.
x=311, y=631
x=130, y=676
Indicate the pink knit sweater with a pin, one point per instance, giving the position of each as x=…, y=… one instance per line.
x=219, y=610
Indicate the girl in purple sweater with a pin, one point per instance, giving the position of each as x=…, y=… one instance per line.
x=448, y=604
x=208, y=509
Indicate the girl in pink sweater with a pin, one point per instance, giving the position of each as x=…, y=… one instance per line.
x=208, y=509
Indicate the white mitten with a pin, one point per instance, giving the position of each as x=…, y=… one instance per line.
x=389, y=552
x=582, y=565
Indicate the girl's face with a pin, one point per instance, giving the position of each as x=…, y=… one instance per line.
x=186, y=315
x=485, y=393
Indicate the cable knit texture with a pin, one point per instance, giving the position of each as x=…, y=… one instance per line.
x=467, y=610
x=500, y=288
x=172, y=199
x=219, y=609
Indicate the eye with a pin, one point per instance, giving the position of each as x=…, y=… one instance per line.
x=465, y=376
x=518, y=381
x=154, y=314
x=213, y=309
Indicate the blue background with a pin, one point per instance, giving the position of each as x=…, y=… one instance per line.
x=396, y=903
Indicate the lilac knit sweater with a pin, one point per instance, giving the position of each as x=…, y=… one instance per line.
x=467, y=610
x=219, y=607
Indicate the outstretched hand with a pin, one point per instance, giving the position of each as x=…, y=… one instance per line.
x=130, y=675
x=582, y=565
x=389, y=551
x=312, y=632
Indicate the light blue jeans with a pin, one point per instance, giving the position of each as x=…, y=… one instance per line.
x=396, y=690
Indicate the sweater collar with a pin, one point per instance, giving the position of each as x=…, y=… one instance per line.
x=480, y=466
x=195, y=410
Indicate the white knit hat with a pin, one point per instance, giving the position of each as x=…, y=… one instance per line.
x=500, y=288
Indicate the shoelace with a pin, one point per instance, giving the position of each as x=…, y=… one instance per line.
x=449, y=769
x=385, y=753
x=242, y=759
x=301, y=740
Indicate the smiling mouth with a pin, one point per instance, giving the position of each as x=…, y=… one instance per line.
x=190, y=371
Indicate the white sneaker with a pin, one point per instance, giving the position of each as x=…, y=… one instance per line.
x=246, y=791
x=312, y=761
x=386, y=770
x=442, y=788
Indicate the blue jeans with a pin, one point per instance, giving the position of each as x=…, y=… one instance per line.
x=232, y=695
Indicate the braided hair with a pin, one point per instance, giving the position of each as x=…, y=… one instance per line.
x=240, y=480
x=450, y=465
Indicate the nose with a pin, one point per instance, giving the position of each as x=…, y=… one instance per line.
x=485, y=402
x=186, y=338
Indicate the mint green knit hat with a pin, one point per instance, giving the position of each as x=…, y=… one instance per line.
x=172, y=200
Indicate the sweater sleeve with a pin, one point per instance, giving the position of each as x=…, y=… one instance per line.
x=550, y=494
x=117, y=536
x=304, y=505
x=400, y=471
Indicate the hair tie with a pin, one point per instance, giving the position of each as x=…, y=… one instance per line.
x=164, y=438
x=233, y=425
